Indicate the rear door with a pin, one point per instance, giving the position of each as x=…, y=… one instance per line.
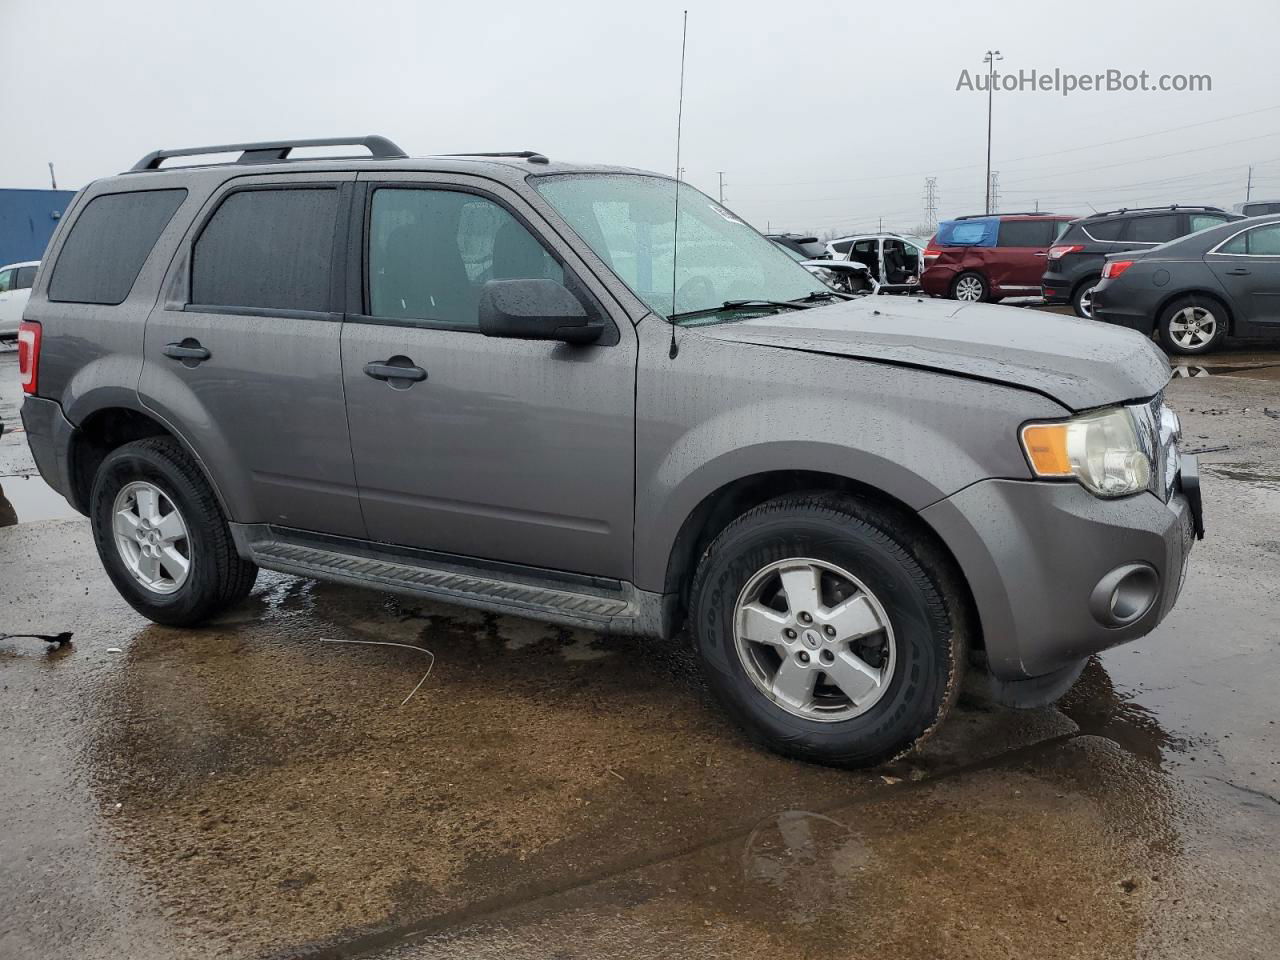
x=1248, y=267
x=499, y=449
x=1016, y=264
x=242, y=354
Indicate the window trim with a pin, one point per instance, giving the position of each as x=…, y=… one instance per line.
x=358, y=300
x=343, y=188
x=1217, y=250
x=70, y=228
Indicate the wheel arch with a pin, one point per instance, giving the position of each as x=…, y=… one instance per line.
x=110, y=427
x=1191, y=294
x=720, y=507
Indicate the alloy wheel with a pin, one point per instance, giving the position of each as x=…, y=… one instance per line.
x=151, y=536
x=814, y=640
x=969, y=288
x=1193, y=328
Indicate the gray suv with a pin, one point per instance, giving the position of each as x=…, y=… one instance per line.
x=496, y=380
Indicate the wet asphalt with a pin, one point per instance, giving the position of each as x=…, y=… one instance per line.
x=248, y=790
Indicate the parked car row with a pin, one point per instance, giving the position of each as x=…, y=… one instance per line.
x=1196, y=290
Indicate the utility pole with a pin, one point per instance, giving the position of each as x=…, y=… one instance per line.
x=721, y=172
x=990, y=60
x=54, y=180
x=1248, y=187
x=931, y=201
x=881, y=230
x=993, y=192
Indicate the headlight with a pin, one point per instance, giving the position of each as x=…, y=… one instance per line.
x=1101, y=450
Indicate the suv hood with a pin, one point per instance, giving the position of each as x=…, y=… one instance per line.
x=1079, y=363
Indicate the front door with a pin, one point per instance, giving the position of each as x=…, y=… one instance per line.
x=510, y=450
x=1248, y=267
x=242, y=353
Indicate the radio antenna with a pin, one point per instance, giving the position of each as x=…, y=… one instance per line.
x=675, y=219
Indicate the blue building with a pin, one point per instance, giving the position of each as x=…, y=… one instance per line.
x=27, y=220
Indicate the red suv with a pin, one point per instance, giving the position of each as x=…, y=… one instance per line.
x=990, y=257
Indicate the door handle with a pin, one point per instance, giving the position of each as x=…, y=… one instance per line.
x=391, y=370
x=1238, y=272
x=189, y=351
x=1042, y=254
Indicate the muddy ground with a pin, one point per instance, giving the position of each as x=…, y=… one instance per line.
x=248, y=790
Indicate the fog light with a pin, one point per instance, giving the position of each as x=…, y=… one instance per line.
x=1124, y=595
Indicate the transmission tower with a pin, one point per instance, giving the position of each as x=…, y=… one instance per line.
x=995, y=191
x=721, y=172
x=931, y=202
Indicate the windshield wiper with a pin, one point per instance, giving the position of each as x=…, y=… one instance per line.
x=824, y=295
x=730, y=305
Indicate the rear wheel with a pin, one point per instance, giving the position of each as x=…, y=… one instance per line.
x=970, y=287
x=1192, y=326
x=1082, y=299
x=828, y=630
x=162, y=537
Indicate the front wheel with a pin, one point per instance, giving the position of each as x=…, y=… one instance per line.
x=970, y=287
x=829, y=629
x=162, y=537
x=1192, y=326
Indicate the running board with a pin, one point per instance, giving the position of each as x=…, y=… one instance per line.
x=591, y=603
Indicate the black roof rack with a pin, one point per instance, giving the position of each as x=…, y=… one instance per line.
x=1007, y=213
x=531, y=155
x=1172, y=206
x=380, y=148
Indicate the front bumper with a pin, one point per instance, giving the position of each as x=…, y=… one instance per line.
x=1038, y=556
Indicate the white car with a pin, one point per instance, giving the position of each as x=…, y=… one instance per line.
x=15, y=288
x=895, y=261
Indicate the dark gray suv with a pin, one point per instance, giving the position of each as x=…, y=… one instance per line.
x=497, y=380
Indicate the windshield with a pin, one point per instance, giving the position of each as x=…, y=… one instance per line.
x=627, y=220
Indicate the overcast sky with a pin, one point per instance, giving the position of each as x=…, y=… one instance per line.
x=821, y=120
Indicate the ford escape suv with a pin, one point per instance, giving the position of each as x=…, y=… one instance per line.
x=1073, y=268
x=498, y=380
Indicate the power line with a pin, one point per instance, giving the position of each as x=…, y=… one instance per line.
x=1093, y=145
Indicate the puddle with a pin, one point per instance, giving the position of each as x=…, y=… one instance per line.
x=24, y=499
x=1252, y=371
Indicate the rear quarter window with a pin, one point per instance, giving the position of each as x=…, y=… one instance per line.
x=1107, y=229
x=108, y=244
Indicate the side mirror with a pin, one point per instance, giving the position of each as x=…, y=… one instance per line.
x=535, y=310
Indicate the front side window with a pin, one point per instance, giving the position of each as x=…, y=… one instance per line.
x=628, y=220
x=24, y=278
x=267, y=249
x=432, y=251
x=108, y=244
x=6, y=280
x=1258, y=242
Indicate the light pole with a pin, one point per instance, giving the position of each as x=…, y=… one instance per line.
x=990, y=60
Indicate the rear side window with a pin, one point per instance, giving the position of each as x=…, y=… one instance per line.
x=267, y=249
x=26, y=276
x=1259, y=209
x=842, y=246
x=1203, y=221
x=1027, y=233
x=1154, y=229
x=108, y=244
x=1106, y=229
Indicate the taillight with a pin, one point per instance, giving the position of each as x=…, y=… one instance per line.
x=931, y=253
x=28, y=355
x=1114, y=268
x=1057, y=253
